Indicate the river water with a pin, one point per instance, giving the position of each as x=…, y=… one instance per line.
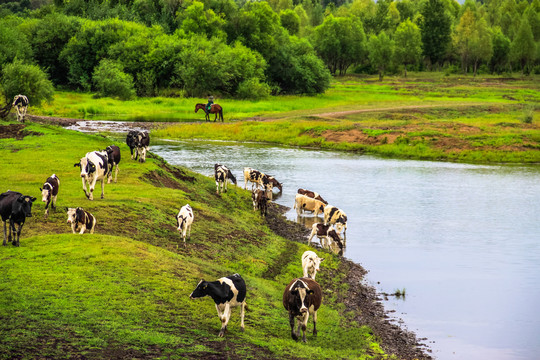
x=462, y=240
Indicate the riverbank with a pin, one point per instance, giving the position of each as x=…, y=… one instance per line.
x=123, y=292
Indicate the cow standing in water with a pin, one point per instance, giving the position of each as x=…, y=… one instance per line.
x=49, y=193
x=21, y=105
x=15, y=207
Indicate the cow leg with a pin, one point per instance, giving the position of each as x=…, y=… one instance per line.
x=84, y=188
x=53, y=205
x=83, y=228
x=189, y=231
x=217, y=187
x=116, y=174
x=313, y=231
x=103, y=188
x=315, y=323
x=47, y=209
x=224, y=317
x=242, y=312
x=304, y=326
x=5, y=234
x=291, y=323
x=93, y=226
x=18, y=234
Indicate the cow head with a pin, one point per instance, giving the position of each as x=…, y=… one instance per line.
x=87, y=167
x=46, y=192
x=231, y=176
x=24, y=205
x=71, y=215
x=300, y=292
x=180, y=220
x=335, y=237
x=200, y=291
x=316, y=262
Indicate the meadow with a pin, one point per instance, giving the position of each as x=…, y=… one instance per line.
x=123, y=292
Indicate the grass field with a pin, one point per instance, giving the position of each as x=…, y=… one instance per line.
x=123, y=291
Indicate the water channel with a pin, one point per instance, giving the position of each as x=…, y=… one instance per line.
x=462, y=240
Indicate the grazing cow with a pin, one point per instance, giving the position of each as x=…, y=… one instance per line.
x=78, y=217
x=256, y=177
x=16, y=207
x=143, y=145
x=131, y=139
x=227, y=292
x=113, y=157
x=273, y=182
x=327, y=234
x=302, y=297
x=94, y=167
x=310, y=263
x=260, y=201
x=312, y=194
x=50, y=192
x=304, y=203
x=21, y=105
x=184, y=220
x=337, y=217
x=222, y=174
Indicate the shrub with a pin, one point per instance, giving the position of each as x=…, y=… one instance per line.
x=110, y=80
x=30, y=80
x=528, y=115
x=253, y=89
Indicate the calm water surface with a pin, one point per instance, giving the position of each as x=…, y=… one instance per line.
x=462, y=240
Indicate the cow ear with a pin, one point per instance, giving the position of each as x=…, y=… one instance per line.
x=66, y=209
x=33, y=199
x=77, y=164
x=322, y=259
x=40, y=189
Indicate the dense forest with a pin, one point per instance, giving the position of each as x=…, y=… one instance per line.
x=250, y=49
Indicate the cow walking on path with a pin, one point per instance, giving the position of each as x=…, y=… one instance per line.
x=15, y=207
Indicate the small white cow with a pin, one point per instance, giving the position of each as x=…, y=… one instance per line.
x=310, y=264
x=337, y=217
x=78, y=217
x=184, y=220
x=304, y=203
x=94, y=167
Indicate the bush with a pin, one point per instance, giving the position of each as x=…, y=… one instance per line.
x=253, y=89
x=110, y=80
x=29, y=80
x=528, y=115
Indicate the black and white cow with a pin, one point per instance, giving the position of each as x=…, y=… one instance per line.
x=260, y=201
x=184, y=219
x=222, y=174
x=327, y=234
x=15, y=207
x=131, y=141
x=311, y=263
x=142, y=143
x=227, y=292
x=80, y=218
x=256, y=177
x=49, y=193
x=301, y=298
x=113, y=157
x=21, y=105
x=94, y=167
x=337, y=217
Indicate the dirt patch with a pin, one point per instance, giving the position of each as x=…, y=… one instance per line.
x=15, y=131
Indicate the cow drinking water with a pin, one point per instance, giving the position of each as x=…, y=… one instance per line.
x=301, y=298
x=227, y=292
x=15, y=207
x=49, y=193
x=328, y=236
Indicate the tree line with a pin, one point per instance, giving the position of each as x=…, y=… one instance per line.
x=250, y=49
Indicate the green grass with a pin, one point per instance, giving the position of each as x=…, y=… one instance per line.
x=123, y=291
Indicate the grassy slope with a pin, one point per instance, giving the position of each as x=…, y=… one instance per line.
x=123, y=292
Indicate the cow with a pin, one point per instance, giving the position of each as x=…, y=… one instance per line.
x=255, y=177
x=184, y=219
x=78, y=217
x=304, y=203
x=15, y=207
x=310, y=263
x=260, y=201
x=94, y=167
x=312, y=194
x=21, y=105
x=272, y=181
x=327, y=234
x=131, y=141
x=302, y=297
x=143, y=143
x=337, y=217
x=49, y=193
x=222, y=174
x=227, y=292
x=113, y=157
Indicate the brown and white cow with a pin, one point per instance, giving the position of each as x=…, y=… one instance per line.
x=94, y=167
x=327, y=234
x=260, y=201
x=222, y=174
x=113, y=157
x=304, y=203
x=310, y=263
x=80, y=218
x=337, y=217
x=227, y=292
x=312, y=194
x=49, y=193
x=184, y=219
x=255, y=177
x=301, y=298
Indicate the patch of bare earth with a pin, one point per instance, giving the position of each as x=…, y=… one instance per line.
x=15, y=131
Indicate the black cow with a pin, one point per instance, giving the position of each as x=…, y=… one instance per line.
x=222, y=174
x=113, y=155
x=302, y=297
x=49, y=192
x=16, y=207
x=131, y=141
x=226, y=292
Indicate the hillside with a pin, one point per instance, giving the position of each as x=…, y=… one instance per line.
x=123, y=292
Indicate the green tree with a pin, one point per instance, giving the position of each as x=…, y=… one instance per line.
x=463, y=38
x=196, y=20
x=381, y=52
x=110, y=80
x=436, y=29
x=408, y=44
x=30, y=80
x=290, y=21
x=501, y=50
x=523, y=48
x=13, y=43
x=482, y=48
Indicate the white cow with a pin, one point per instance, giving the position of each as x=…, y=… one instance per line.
x=94, y=168
x=310, y=263
x=184, y=220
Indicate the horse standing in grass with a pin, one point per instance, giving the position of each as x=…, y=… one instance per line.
x=215, y=109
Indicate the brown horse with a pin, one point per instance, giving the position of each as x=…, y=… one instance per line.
x=215, y=109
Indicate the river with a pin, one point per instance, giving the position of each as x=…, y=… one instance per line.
x=462, y=240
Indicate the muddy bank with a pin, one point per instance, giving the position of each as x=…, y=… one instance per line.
x=360, y=297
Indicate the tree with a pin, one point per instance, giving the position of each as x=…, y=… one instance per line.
x=463, y=38
x=196, y=20
x=110, y=80
x=436, y=28
x=13, y=43
x=290, y=21
x=381, y=52
x=408, y=44
x=523, y=48
x=501, y=49
x=482, y=48
x=30, y=80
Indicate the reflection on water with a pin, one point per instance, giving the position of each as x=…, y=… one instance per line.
x=462, y=240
